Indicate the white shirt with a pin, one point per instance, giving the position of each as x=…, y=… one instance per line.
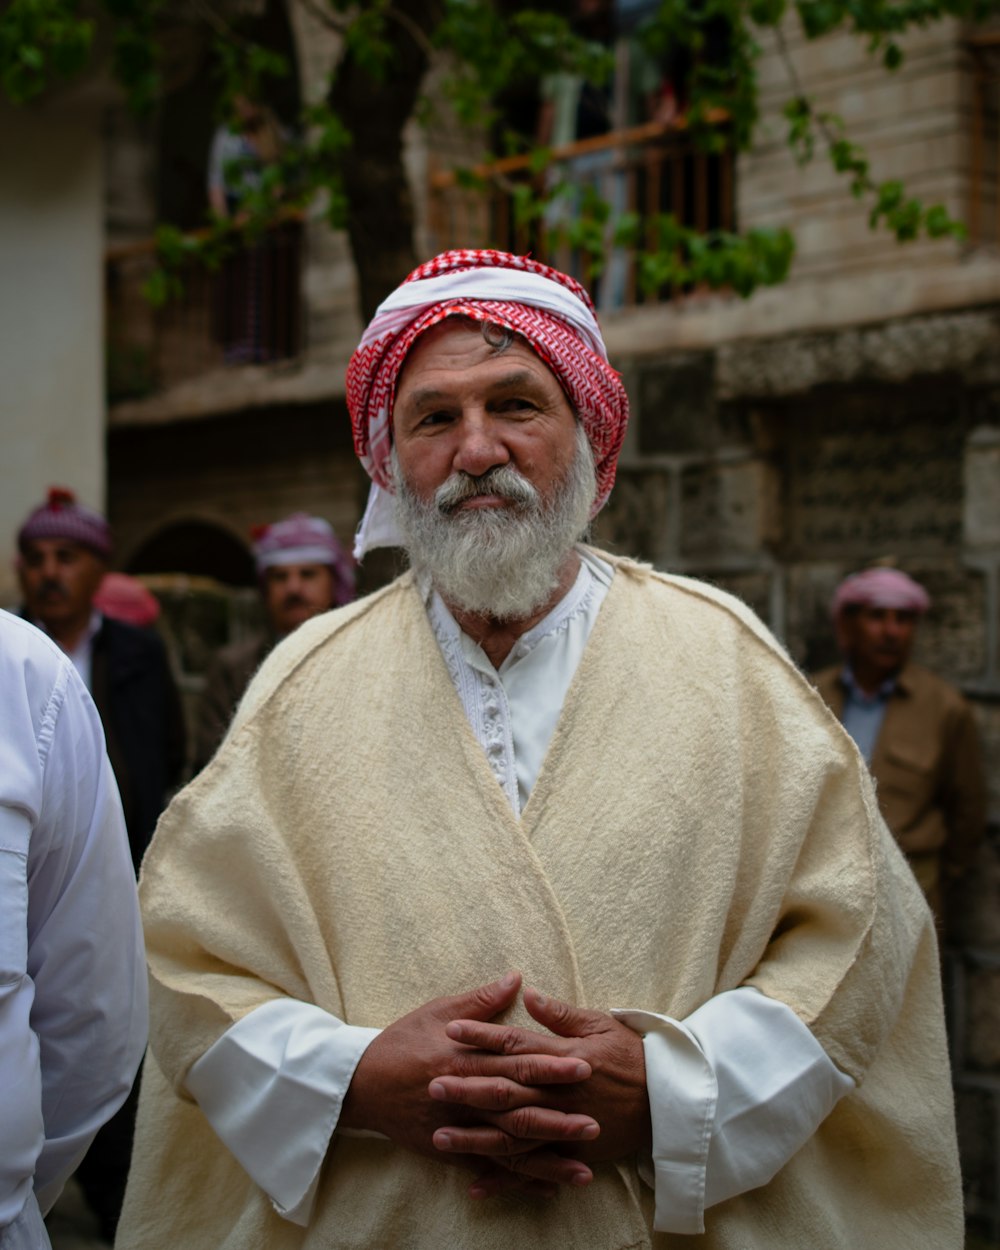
x=82, y=655
x=734, y=1090
x=72, y=974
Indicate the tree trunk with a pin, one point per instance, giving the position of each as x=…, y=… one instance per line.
x=380, y=214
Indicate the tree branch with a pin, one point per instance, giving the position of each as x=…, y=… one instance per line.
x=411, y=27
x=323, y=16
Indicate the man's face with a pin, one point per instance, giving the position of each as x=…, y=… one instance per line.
x=877, y=641
x=295, y=592
x=59, y=579
x=494, y=475
x=463, y=407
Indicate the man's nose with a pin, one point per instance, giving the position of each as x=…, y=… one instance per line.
x=480, y=446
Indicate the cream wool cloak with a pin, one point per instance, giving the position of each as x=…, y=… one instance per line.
x=700, y=823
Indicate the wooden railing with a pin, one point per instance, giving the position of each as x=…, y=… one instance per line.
x=984, y=174
x=639, y=173
x=247, y=310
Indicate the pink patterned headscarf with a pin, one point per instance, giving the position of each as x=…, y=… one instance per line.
x=304, y=539
x=549, y=309
x=126, y=599
x=880, y=588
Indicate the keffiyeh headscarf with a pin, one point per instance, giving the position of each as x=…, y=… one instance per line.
x=304, y=539
x=549, y=309
x=880, y=588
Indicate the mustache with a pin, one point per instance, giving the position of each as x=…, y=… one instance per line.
x=49, y=587
x=504, y=481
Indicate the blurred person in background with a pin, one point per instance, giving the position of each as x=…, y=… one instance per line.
x=255, y=319
x=302, y=570
x=916, y=732
x=64, y=549
x=72, y=974
x=126, y=599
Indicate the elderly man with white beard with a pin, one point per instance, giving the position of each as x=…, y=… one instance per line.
x=535, y=900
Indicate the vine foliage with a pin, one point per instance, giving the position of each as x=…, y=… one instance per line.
x=487, y=46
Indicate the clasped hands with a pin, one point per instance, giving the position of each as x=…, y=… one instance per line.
x=523, y=1109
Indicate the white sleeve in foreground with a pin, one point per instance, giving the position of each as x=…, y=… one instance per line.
x=85, y=949
x=734, y=1091
x=272, y=1087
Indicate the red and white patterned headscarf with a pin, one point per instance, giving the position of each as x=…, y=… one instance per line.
x=549, y=309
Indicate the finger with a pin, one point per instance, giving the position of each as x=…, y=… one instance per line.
x=538, y=1165
x=484, y=1093
x=500, y=1180
x=563, y=1018
x=504, y=1039
x=508, y=1133
x=524, y=1069
x=485, y=1001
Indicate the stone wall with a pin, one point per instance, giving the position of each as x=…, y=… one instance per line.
x=773, y=468
x=232, y=473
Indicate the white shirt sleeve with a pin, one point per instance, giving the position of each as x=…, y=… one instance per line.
x=272, y=1087
x=734, y=1091
x=72, y=969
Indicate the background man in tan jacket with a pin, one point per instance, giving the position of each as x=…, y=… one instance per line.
x=916, y=731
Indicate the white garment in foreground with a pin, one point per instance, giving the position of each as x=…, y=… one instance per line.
x=72, y=975
x=735, y=1090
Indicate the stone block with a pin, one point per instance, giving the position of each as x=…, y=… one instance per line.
x=809, y=633
x=983, y=1003
x=981, y=512
x=978, y=1115
x=754, y=588
x=973, y=910
x=853, y=494
x=988, y=723
x=676, y=403
x=637, y=518
x=966, y=343
x=728, y=507
x=951, y=639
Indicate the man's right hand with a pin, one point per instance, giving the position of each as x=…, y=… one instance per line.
x=389, y=1094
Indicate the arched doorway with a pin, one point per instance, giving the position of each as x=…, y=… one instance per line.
x=205, y=580
x=196, y=548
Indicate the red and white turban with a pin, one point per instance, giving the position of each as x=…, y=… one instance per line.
x=549, y=309
x=880, y=588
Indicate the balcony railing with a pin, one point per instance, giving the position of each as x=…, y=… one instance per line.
x=984, y=181
x=247, y=310
x=639, y=174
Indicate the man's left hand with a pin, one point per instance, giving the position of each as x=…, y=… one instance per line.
x=614, y=1095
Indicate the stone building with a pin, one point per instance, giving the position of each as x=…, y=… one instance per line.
x=777, y=443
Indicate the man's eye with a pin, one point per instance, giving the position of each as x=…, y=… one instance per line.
x=435, y=418
x=517, y=403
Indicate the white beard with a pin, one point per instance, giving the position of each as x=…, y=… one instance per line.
x=503, y=563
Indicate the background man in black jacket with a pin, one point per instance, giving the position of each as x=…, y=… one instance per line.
x=64, y=550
